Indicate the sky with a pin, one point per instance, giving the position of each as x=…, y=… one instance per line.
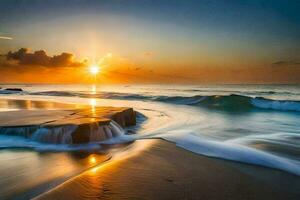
x=150, y=41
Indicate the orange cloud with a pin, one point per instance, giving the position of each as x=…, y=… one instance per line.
x=286, y=63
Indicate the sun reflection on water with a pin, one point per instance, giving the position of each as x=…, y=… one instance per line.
x=93, y=89
x=93, y=104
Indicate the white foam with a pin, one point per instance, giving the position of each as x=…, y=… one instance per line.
x=21, y=142
x=231, y=151
x=56, y=135
x=63, y=134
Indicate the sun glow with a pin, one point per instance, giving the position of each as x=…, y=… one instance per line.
x=94, y=69
x=92, y=160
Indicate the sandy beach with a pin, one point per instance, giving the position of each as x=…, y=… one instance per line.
x=164, y=171
x=150, y=99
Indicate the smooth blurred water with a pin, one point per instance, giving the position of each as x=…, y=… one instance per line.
x=257, y=124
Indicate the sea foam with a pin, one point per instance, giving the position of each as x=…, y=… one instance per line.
x=231, y=151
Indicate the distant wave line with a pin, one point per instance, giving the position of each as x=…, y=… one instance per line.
x=151, y=73
x=6, y=38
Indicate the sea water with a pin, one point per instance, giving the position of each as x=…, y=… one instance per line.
x=255, y=124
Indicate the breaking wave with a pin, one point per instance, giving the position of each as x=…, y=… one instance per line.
x=231, y=102
x=231, y=151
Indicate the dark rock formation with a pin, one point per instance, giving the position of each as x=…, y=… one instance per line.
x=14, y=89
x=68, y=126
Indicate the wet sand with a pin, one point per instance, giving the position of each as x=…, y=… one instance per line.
x=27, y=169
x=25, y=174
x=161, y=170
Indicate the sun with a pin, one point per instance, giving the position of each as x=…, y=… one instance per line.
x=94, y=69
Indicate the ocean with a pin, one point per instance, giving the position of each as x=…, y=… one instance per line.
x=254, y=124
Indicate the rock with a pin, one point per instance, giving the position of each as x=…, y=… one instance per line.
x=67, y=126
x=125, y=117
x=82, y=134
x=14, y=89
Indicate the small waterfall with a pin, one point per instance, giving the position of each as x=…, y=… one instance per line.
x=106, y=132
x=56, y=135
x=64, y=134
x=116, y=128
x=24, y=131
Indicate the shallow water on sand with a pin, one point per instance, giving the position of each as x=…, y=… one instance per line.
x=24, y=174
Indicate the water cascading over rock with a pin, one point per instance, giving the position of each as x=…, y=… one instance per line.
x=69, y=127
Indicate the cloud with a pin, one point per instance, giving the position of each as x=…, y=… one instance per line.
x=286, y=63
x=5, y=38
x=24, y=57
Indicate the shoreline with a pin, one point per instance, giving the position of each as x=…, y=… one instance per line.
x=162, y=163
x=164, y=171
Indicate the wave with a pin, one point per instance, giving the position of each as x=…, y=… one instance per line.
x=232, y=102
x=276, y=104
x=241, y=103
x=56, y=93
x=101, y=95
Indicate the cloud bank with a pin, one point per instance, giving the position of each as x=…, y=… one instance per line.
x=286, y=63
x=40, y=58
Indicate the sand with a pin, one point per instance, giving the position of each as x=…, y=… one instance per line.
x=161, y=170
